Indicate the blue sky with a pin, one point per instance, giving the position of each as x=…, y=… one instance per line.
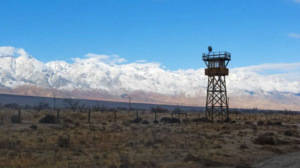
x=174, y=33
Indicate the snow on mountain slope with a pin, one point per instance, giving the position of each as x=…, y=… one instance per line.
x=98, y=73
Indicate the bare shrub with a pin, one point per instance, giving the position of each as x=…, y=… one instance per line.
x=244, y=146
x=48, y=119
x=68, y=120
x=92, y=127
x=126, y=123
x=260, y=122
x=145, y=122
x=189, y=157
x=270, y=122
x=79, y=116
x=77, y=124
x=265, y=139
x=125, y=162
x=278, y=123
x=14, y=118
x=269, y=134
x=82, y=117
x=37, y=115
x=34, y=127
x=202, y=119
x=137, y=120
x=243, y=165
x=169, y=120
x=283, y=142
x=272, y=149
x=205, y=161
x=145, y=164
x=10, y=144
x=292, y=133
x=65, y=126
x=63, y=141
x=248, y=123
x=254, y=127
x=218, y=146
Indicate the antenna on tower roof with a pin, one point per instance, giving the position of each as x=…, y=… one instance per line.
x=210, y=49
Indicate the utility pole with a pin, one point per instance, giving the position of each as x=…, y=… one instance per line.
x=54, y=103
x=129, y=104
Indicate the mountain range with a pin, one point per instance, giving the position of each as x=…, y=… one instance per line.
x=102, y=77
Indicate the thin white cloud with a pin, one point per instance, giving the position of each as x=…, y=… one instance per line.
x=294, y=35
x=297, y=1
x=271, y=66
x=108, y=59
x=7, y=51
x=140, y=61
x=97, y=56
x=121, y=60
x=116, y=59
x=12, y=51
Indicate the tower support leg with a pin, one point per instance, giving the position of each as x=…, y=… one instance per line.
x=216, y=100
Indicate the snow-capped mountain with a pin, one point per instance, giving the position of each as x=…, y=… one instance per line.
x=107, y=77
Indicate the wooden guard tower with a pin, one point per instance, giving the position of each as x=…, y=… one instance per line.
x=216, y=100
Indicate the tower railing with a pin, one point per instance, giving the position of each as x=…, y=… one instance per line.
x=216, y=55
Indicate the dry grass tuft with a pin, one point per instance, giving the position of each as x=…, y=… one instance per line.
x=63, y=141
x=266, y=139
x=293, y=133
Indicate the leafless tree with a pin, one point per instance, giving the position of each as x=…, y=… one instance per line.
x=73, y=104
x=40, y=106
x=100, y=108
x=82, y=107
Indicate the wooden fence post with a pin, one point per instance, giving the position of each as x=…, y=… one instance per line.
x=57, y=117
x=89, y=116
x=155, y=121
x=19, y=115
x=2, y=120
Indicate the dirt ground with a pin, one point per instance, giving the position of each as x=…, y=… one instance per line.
x=291, y=160
x=73, y=142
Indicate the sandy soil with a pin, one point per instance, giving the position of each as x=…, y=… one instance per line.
x=291, y=160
